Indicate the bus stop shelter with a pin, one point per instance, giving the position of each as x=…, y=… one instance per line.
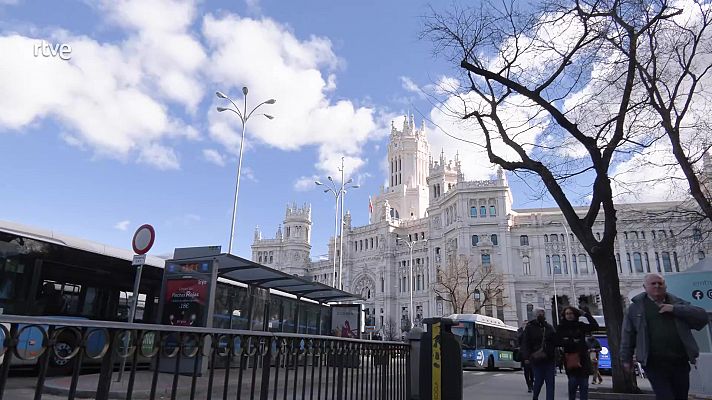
x=191, y=294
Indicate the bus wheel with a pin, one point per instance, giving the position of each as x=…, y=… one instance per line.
x=59, y=366
x=490, y=363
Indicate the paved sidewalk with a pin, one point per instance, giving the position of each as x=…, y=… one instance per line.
x=510, y=385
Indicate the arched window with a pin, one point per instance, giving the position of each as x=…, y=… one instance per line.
x=526, y=264
x=493, y=239
x=524, y=240
x=638, y=262
x=486, y=261
x=583, y=263
x=574, y=264
x=647, y=262
x=473, y=211
x=475, y=240
x=700, y=255
x=667, y=265
x=493, y=211
x=530, y=312
x=546, y=238
x=556, y=261
x=554, y=238
x=483, y=211
x=566, y=266
x=630, y=265
x=548, y=265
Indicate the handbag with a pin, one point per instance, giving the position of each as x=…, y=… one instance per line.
x=572, y=360
x=540, y=354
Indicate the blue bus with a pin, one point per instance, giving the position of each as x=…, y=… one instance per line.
x=487, y=342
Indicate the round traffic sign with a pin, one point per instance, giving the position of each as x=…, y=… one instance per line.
x=143, y=239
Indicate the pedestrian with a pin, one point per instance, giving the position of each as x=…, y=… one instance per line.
x=594, y=352
x=538, y=351
x=571, y=335
x=657, y=328
x=528, y=373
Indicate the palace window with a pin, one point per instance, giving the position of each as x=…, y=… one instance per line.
x=475, y=240
x=583, y=263
x=638, y=262
x=493, y=211
x=524, y=240
x=556, y=261
x=667, y=265
x=696, y=235
x=486, y=261
x=483, y=211
x=548, y=265
x=700, y=255
x=574, y=264
x=473, y=212
x=493, y=239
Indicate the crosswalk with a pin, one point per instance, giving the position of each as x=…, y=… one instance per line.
x=480, y=373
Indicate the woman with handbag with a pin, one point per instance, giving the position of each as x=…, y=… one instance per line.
x=537, y=350
x=571, y=334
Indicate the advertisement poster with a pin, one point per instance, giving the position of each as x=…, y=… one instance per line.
x=345, y=320
x=185, y=302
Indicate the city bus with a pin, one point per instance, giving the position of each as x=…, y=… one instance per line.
x=487, y=342
x=43, y=273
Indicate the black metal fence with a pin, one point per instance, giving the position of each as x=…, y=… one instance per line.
x=164, y=362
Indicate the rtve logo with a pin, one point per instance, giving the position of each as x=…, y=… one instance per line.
x=44, y=49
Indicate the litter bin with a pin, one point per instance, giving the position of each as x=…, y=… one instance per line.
x=440, y=362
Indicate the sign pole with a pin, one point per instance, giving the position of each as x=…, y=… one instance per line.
x=142, y=242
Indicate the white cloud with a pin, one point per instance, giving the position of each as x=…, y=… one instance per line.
x=411, y=86
x=249, y=174
x=159, y=156
x=214, y=156
x=305, y=183
x=122, y=225
x=111, y=98
x=299, y=75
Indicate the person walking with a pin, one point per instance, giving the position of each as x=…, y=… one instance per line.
x=538, y=351
x=594, y=352
x=528, y=373
x=571, y=335
x=657, y=329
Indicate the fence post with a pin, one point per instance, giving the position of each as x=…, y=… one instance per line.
x=413, y=364
x=440, y=375
x=266, y=365
x=107, y=366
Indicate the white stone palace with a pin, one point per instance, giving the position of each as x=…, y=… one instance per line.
x=430, y=199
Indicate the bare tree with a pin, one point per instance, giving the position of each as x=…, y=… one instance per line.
x=673, y=64
x=390, y=330
x=552, y=92
x=459, y=283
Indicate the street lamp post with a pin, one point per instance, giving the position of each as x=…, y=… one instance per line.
x=341, y=236
x=571, y=265
x=244, y=116
x=331, y=187
x=339, y=193
x=410, y=245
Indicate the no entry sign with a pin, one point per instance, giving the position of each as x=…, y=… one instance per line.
x=143, y=239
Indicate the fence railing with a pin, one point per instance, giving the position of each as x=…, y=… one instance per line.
x=196, y=363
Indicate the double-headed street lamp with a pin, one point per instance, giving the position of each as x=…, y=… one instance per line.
x=410, y=245
x=244, y=116
x=339, y=193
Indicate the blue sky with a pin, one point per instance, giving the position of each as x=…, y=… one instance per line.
x=126, y=132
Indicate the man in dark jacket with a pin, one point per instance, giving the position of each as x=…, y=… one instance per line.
x=528, y=373
x=657, y=328
x=538, y=350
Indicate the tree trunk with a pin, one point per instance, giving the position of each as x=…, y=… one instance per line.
x=609, y=286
